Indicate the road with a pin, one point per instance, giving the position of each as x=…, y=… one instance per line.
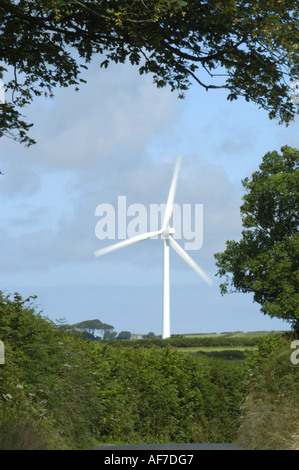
x=170, y=447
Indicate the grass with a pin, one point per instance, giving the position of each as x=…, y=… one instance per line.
x=19, y=434
x=270, y=414
x=270, y=423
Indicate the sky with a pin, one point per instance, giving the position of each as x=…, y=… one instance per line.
x=120, y=136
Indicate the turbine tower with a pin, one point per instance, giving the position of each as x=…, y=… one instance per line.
x=166, y=231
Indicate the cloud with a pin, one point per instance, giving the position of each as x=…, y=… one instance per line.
x=38, y=241
x=105, y=120
x=94, y=146
x=18, y=179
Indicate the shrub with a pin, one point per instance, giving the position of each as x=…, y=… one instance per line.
x=44, y=381
x=162, y=395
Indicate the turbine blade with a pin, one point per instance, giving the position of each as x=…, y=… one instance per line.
x=189, y=260
x=129, y=241
x=169, y=205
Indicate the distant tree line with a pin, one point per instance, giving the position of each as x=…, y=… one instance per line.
x=199, y=341
x=97, y=330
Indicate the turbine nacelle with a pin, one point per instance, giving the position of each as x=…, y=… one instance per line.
x=168, y=231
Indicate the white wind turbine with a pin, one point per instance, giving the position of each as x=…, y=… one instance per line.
x=166, y=231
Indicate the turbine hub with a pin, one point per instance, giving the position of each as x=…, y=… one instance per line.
x=168, y=231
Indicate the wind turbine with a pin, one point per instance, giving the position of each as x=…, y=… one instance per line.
x=166, y=231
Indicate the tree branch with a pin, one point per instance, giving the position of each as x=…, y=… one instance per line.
x=207, y=87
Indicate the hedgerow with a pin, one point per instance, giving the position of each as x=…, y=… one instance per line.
x=58, y=391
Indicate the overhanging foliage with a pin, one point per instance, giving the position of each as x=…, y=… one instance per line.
x=248, y=48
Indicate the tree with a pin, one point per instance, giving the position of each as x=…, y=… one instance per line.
x=266, y=260
x=93, y=325
x=109, y=334
x=124, y=335
x=149, y=335
x=248, y=48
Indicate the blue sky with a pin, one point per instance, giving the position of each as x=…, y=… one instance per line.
x=119, y=135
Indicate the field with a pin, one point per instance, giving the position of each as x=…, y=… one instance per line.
x=229, y=355
x=228, y=347
x=226, y=334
